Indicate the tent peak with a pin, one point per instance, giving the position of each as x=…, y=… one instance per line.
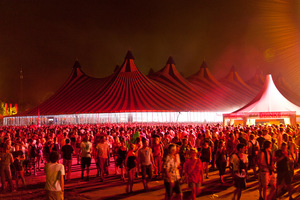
x=170, y=61
x=233, y=69
x=76, y=64
x=151, y=72
x=129, y=55
x=203, y=65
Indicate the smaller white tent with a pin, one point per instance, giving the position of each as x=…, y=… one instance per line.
x=268, y=104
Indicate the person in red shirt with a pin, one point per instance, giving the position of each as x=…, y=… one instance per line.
x=158, y=152
x=193, y=172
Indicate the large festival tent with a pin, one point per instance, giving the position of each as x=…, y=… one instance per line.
x=170, y=77
x=286, y=90
x=125, y=96
x=257, y=81
x=216, y=90
x=268, y=105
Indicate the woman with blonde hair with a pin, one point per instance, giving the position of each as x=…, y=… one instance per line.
x=130, y=163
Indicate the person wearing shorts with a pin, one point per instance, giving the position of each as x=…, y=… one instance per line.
x=146, y=160
x=238, y=163
x=172, y=175
x=103, y=154
x=86, y=150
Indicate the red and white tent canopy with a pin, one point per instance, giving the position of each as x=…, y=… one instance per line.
x=269, y=103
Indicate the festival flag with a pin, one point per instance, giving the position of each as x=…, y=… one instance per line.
x=5, y=113
x=10, y=109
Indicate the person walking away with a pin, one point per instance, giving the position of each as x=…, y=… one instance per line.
x=86, y=151
x=66, y=153
x=103, y=154
x=130, y=163
x=146, y=159
x=221, y=160
x=171, y=173
x=239, y=163
x=285, y=171
x=266, y=171
x=54, y=178
x=193, y=172
x=253, y=149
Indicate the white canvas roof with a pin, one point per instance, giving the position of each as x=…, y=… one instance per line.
x=269, y=99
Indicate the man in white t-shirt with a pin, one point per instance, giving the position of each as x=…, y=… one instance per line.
x=54, y=178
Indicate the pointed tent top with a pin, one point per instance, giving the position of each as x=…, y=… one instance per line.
x=170, y=61
x=151, y=72
x=129, y=55
x=128, y=65
x=232, y=69
x=203, y=65
x=269, y=99
x=76, y=64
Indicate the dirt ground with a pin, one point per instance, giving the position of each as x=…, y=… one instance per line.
x=114, y=188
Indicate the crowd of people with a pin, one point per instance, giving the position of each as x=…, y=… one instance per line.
x=175, y=153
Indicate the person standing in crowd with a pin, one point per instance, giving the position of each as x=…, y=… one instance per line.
x=260, y=139
x=158, y=153
x=122, y=151
x=193, y=172
x=130, y=163
x=67, y=151
x=292, y=147
x=18, y=159
x=86, y=151
x=238, y=163
x=32, y=154
x=115, y=147
x=266, y=172
x=183, y=151
x=205, y=156
x=6, y=160
x=171, y=172
x=78, y=147
x=221, y=160
x=102, y=154
x=54, y=178
x=146, y=159
x=253, y=149
x=285, y=170
x=39, y=155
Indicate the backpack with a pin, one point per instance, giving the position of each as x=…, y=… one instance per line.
x=33, y=151
x=254, y=149
x=242, y=165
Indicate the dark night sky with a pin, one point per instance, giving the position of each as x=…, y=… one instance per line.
x=45, y=38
